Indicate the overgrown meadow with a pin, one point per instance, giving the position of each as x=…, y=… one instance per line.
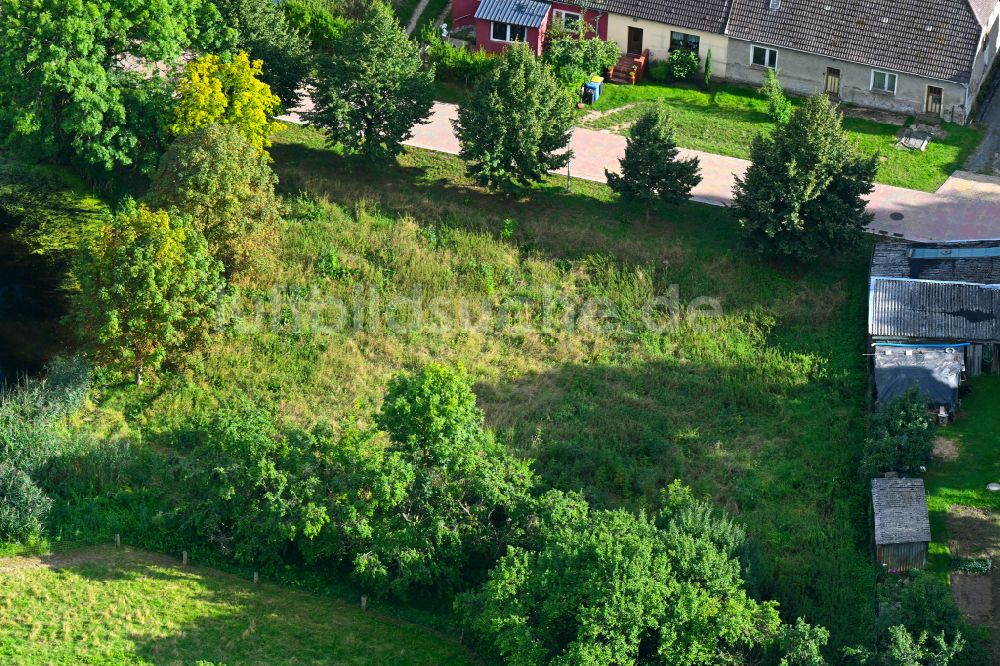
x=618, y=355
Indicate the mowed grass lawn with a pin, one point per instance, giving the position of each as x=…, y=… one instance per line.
x=575, y=318
x=963, y=481
x=726, y=118
x=107, y=606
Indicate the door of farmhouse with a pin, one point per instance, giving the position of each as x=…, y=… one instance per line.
x=933, y=104
x=832, y=84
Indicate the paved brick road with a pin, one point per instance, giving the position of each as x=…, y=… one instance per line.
x=967, y=206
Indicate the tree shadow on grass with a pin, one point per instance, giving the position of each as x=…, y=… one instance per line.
x=777, y=448
x=549, y=220
x=163, y=613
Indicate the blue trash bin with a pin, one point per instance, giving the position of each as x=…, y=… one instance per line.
x=594, y=90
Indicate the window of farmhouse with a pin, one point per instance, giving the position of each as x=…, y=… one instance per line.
x=680, y=40
x=764, y=57
x=883, y=81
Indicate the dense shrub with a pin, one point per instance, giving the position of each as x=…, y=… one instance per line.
x=683, y=64
x=566, y=53
x=454, y=63
x=250, y=488
x=778, y=106
x=23, y=506
x=659, y=71
x=149, y=288
x=217, y=91
x=431, y=506
x=900, y=436
x=218, y=179
x=612, y=587
x=373, y=89
x=461, y=485
x=920, y=623
x=515, y=126
x=317, y=20
x=803, y=194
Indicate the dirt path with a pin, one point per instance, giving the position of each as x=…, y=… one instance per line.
x=417, y=13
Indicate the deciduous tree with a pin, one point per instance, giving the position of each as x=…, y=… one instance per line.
x=515, y=126
x=148, y=288
x=613, y=587
x=87, y=80
x=373, y=89
x=263, y=32
x=803, y=194
x=435, y=506
x=651, y=168
x=217, y=178
x=213, y=90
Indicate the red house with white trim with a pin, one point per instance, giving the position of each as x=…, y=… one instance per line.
x=502, y=22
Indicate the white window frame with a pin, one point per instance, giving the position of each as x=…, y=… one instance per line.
x=684, y=41
x=767, y=56
x=559, y=18
x=509, y=28
x=884, y=91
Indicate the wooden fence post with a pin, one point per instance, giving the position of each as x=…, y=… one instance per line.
x=184, y=557
x=364, y=603
x=118, y=540
x=256, y=577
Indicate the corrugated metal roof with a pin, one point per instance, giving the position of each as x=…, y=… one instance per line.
x=527, y=13
x=900, y=511
x=974, y=262
x=925, y=310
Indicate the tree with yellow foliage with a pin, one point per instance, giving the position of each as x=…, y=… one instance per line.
x=148, y=287
x=226, y=92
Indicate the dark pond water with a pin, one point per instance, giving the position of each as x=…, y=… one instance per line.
x=31, y=307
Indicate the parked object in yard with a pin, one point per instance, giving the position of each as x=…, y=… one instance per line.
x=902, y=528
x=591, y=91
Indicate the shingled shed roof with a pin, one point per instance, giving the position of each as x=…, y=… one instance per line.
x=946, y=311
x=934, y=38
x=706, y=15
x=900, y=511
x=976, y=262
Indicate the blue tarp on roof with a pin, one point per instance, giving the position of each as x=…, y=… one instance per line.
x=527, y=13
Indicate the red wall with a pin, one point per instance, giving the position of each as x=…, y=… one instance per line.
x=590, y=17
x=462, y=12
x=484, y=40
x=536, y=36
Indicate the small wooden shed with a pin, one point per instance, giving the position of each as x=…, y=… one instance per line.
x=902, y=529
